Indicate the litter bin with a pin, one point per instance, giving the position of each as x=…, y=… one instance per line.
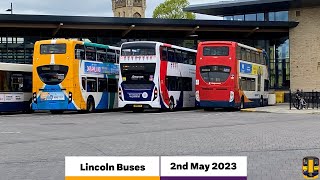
x=279, y=97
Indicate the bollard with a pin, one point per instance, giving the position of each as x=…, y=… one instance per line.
x=290, y=98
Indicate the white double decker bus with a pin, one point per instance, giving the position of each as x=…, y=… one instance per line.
x=156, y=75
x=15, y=87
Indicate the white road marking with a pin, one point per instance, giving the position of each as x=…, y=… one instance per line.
x=10, y=132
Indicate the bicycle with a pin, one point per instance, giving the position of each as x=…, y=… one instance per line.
x=300, y=103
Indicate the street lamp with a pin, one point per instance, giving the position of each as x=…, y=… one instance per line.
x=11, y=9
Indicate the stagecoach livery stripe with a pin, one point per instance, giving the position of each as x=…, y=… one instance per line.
x=96, y=45
x=52, y=60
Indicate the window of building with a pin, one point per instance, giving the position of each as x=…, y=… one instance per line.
x=260, y=17
x=251, y=17
x=282, y=16
x=272, y=16
x=238, y=17
x=228, y=18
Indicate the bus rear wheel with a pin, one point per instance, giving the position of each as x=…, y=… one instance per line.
x=261, y=101
x=90, y=105
x=241, y=103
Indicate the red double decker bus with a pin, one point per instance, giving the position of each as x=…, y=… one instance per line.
x=231, y=75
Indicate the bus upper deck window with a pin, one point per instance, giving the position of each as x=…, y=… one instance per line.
x=216, y=51
x=164, y=54
x=53, y=48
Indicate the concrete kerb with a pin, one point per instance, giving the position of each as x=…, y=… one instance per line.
x=281, y=109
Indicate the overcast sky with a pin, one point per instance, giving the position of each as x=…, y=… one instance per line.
x=78, y=7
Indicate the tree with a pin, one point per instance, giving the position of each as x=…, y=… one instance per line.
x=173, y=9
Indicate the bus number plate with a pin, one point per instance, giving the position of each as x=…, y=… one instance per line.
x=137, y=106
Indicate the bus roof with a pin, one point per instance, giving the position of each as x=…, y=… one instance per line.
x=230, y=43
x=163, y=44
x=101, y=46
x=15, y=67
x=49, y=41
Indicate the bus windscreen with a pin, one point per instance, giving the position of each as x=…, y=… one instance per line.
x=52, y=74
x=138, y=73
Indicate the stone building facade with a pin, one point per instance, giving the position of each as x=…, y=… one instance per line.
x=129, y=8
x=305, y=49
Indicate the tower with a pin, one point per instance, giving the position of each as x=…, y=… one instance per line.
x=129, y=8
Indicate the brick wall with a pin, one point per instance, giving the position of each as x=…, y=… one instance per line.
x=305, y=49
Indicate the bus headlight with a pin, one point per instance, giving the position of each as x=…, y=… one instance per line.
x=231, y=96
x=155, y=92
x=70, y=97
x=120, y=94
x=34, y=97
x=197, y=96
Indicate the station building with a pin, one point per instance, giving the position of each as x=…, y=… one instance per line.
x=282, y=27
x=295, y=59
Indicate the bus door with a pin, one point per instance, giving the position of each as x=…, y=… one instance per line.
x=84, y=91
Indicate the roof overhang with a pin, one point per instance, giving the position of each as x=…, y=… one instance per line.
x=56, y=26
x=224, y=8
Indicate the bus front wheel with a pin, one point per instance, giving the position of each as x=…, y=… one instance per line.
x=90, y=105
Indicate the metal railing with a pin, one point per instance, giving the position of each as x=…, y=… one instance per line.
x=311, y=100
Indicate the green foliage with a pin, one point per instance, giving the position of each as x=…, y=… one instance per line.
x=173, y=9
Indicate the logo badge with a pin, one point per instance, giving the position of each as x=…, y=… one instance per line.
x=310, y=167
x=145, y=95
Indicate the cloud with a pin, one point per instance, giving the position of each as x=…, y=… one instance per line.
x=77, y=7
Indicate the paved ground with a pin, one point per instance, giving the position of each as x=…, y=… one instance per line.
x=33, y=147
x=283, y=109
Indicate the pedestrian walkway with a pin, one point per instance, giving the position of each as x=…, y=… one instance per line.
x=282, y=109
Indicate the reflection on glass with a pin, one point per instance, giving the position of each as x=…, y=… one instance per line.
x=271, y=16
x=281, y=16
x=250, y=17
x=229, y=18
x=239, y=18
x=260, y=17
